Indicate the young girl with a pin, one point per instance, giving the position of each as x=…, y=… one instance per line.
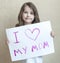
x=29, y=15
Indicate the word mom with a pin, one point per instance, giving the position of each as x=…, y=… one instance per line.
x=32, y=49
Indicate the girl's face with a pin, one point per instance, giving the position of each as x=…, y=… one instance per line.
x=28, y=15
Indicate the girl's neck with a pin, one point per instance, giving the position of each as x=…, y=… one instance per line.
x=26, y=23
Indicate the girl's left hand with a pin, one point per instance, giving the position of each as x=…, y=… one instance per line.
x=52, y=34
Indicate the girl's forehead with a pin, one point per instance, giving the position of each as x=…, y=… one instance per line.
x=28, y=8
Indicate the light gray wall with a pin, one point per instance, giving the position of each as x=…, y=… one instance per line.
x=47, y=9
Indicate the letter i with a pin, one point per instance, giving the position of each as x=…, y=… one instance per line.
x=15, y=33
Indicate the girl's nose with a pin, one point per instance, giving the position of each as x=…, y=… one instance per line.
x=28, y=14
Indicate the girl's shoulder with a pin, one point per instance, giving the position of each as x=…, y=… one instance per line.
x=17, y=25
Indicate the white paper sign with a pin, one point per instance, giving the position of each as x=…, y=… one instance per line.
x=30, y=41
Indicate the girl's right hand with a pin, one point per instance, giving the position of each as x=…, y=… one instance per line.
x=7, y=41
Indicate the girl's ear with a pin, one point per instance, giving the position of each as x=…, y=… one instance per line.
x=52, y=34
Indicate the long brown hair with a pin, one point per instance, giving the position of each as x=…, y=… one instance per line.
x=32, y=6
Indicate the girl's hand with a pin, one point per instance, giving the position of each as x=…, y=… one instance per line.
x=7, y=41
x=52, y=34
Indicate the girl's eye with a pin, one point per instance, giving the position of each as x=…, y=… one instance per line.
x=29, y=12
x=25, y=12
x=32, y=13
